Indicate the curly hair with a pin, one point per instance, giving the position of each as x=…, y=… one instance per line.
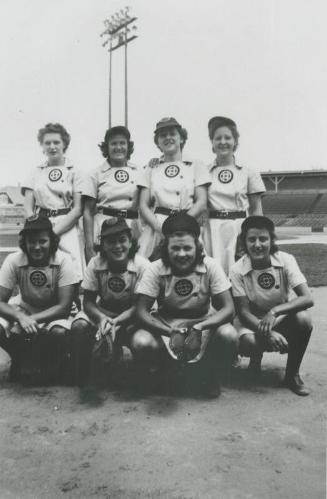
x=164, y=255
x=54, y=128
x=132, y=251
x=182, y=132
x=54, y=242
x=103, y=146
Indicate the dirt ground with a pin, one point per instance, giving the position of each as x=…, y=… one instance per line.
x=257, y=441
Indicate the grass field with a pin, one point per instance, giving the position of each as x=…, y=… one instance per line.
x=312, y=259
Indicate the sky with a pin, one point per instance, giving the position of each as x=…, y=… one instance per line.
x=260, y=62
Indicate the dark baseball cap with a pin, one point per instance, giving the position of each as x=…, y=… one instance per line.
x=115, y=130
x=167, y=122
x=257, y=222
x=180, y=222
x=40, y=222
x=112, y=226
x=217, y=122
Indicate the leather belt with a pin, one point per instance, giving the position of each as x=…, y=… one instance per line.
x=167, y=211
x=54, y=213
x=229, y=215
x=113, y=212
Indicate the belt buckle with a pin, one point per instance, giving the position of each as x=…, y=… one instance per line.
x=173, y=212
x=53, y=213
x=224, y=213
x=123, y=213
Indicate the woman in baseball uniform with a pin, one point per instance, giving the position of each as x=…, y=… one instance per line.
x=54, y=189
x=271, y=297
x=45, y=278
x=169, y=185
x=234, y=192
x=110, y=189
x=108, y=284
x=195, y=306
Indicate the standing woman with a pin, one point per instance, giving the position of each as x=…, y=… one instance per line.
x=170, y=185
x=54, y=189
x=110, y=189
x=234, y=193
x=271, y=297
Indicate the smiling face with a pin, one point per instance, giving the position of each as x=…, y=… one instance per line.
x=116, y=247
x=258, y=246
x=182, y=253
x=38, y=247
x=117, y=149
x=53, y=147
x=169, y=140
x=223, y=143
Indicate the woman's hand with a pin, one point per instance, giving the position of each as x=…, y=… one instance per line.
x=193, y=343
x=267, y=323
x=104, y=327
x=177, y=340
x=28, y=324
x=89, y=252
x=276, y=342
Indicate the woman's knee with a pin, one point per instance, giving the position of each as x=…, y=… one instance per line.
x=303, y=321
x=81, y=328
x=227, y=335
x=248, y=344
x=5, y=364
x=143, y=341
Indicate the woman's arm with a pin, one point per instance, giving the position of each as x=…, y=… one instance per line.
x=88, y=224
x=61, y=309
x=200, y=201
x=13, y=314
x=247, y=318
x=223, y=303
x=145, y=210
x=144, y=304
x=72, y=217
x=255, y=204
x=29, y=203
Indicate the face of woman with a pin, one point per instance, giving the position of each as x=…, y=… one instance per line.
x=182, y=253
x=223, y=142
x=258, y=245
x=116, y=247
x=169, y=140
x=53, y=147
x=117, y=149
x=38, y=247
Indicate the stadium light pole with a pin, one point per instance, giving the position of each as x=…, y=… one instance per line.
x=120, y=30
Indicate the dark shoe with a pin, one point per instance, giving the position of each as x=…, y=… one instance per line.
x=296, y=384
x=211, y=390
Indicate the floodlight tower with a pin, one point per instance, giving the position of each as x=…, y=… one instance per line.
x=119, y=31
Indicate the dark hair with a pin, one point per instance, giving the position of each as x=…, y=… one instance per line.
x=199, y=256
x=233, y=129
x=103, y=146
x=272, y=234
x=182, y=132
x=132, y=251
x=54, y=241
x=54, y=128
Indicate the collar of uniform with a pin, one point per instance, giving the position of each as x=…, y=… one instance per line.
x=214, y=165
x=185, y=161
x=68, y=164
x=199, y=269
x=53, y=262
x=247, y=266
x=107, y=166
x=102, y=264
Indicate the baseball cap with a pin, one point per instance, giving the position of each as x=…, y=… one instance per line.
x=112, y=226
x=217, y=122
x=40, y=222
x=257, y=222
x=181, y=222
x=167, y=122
x=115, y=130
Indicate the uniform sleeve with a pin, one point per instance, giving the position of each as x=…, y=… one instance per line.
x=255, y=182
x=28, y=181
x=144, y=177
x=149, y=283
x=202, y=174
x=142, y=264
x=78, y=181
x=90, y=281
x=90, y=184
x=293, y=272
x=218, y=279
x=238, y=288
x=8, y=275
x=67, y=274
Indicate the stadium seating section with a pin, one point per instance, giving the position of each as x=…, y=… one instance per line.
x=296, y=209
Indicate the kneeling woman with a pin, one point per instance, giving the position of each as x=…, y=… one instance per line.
x=194, y=303
x=108, y=284
x=270, y=319
x=45, y=279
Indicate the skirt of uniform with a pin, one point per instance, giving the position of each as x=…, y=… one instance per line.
x=220, y=240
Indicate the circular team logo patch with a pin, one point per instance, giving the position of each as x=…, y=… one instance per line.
x=38, y=278
x=55, y=175
x=183, y=287
x=172, y=171
x=266, y=281
x=116, y=284
x=225, y=176
x=121, y=176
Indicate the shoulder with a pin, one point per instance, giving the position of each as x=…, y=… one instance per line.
x=140, y=262
x=212, y=265
x=16, y=259
x=284, y=258
x=241, y=266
